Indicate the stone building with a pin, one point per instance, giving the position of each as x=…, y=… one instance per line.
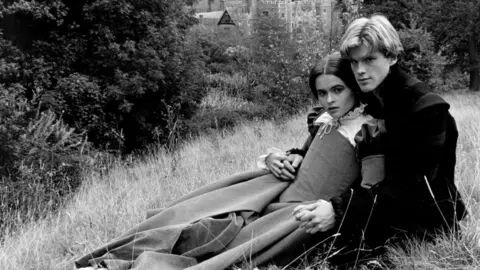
x=298, y=14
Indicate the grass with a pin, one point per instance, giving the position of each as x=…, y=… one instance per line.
x=462, y=252
x=107, y=205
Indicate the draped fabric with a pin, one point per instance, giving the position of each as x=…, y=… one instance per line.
x=245, y=217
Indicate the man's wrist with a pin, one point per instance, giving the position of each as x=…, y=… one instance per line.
x=297, y=151
x=337, y=205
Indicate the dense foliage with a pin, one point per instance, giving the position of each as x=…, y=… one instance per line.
x=117, y=70
x=116, y=75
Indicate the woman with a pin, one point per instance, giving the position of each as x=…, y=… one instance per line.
x=249, y=216
x=418, y=196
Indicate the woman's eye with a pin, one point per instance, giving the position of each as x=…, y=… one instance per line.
x=338, y=90
x=322, y=93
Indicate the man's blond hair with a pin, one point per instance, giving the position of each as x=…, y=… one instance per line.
x=376, y=33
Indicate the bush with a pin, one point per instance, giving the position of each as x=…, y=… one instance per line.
x=41, y=158
x=122, y=71
x=42, y=162
x=419, y=57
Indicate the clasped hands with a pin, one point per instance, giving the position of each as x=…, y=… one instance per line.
x=284, y=166
x=315, y=217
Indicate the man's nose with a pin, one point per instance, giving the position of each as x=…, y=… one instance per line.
x=360, y=68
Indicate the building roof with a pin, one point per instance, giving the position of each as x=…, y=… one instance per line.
x=210, y=15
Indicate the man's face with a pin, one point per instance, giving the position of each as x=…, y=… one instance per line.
x=370, y=67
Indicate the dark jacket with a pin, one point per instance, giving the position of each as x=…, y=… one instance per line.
x=418, y=196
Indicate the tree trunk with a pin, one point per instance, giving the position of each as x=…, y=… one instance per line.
x=474, y=65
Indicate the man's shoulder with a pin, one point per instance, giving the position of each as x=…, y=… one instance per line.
x=417, y=96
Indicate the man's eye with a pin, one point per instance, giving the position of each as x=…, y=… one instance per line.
x=353, y=62
x=369, y=59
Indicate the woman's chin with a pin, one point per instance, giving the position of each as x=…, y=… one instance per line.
x=335, y=116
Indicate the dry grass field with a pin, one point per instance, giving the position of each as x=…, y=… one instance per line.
x=107, y=205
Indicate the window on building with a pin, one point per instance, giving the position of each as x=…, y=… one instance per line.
x=324, y=10
x=283, y=15
x=265, y=13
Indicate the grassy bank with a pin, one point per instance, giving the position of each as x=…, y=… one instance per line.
x=108, y=205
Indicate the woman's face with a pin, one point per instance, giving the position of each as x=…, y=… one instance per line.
x=334, y=96
x=370, y=68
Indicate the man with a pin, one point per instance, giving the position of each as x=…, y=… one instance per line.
x=417, y=196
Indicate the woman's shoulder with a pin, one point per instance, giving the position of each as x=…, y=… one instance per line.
x=314, y=113
x=313, y=118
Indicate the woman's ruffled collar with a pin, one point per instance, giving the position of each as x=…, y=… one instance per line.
x=358, y=111
x=330, y=123
x=326, y=118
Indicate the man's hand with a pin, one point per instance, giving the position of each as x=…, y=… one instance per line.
x=283, y=166
x=315, y=217
x=294, y=162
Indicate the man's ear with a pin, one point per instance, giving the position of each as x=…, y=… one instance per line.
x=393, y=60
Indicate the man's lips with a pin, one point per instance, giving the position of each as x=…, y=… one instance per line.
x=363, y=80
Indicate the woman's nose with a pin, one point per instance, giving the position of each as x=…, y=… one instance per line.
x=330, y=98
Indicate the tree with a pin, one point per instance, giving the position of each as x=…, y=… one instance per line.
x=456, y=26
x=350, y=9
x=210, y=2
x=397, y=11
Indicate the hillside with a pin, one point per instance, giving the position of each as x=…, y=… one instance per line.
x=108, y=205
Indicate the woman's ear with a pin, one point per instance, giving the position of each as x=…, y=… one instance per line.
x=393, y=60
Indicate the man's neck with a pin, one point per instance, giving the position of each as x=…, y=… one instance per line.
x=378, y=93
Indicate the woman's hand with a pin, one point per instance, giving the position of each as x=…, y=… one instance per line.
x=315, y=217
x=283, y=166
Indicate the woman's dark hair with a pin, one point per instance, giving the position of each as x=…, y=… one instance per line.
x=333, y=64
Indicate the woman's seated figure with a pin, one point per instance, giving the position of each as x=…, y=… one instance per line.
x=250, y=216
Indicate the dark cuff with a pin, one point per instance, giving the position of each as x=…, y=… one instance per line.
x=337, y=205
x=297, y=151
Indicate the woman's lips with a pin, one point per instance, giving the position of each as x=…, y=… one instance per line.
x=333, y=109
